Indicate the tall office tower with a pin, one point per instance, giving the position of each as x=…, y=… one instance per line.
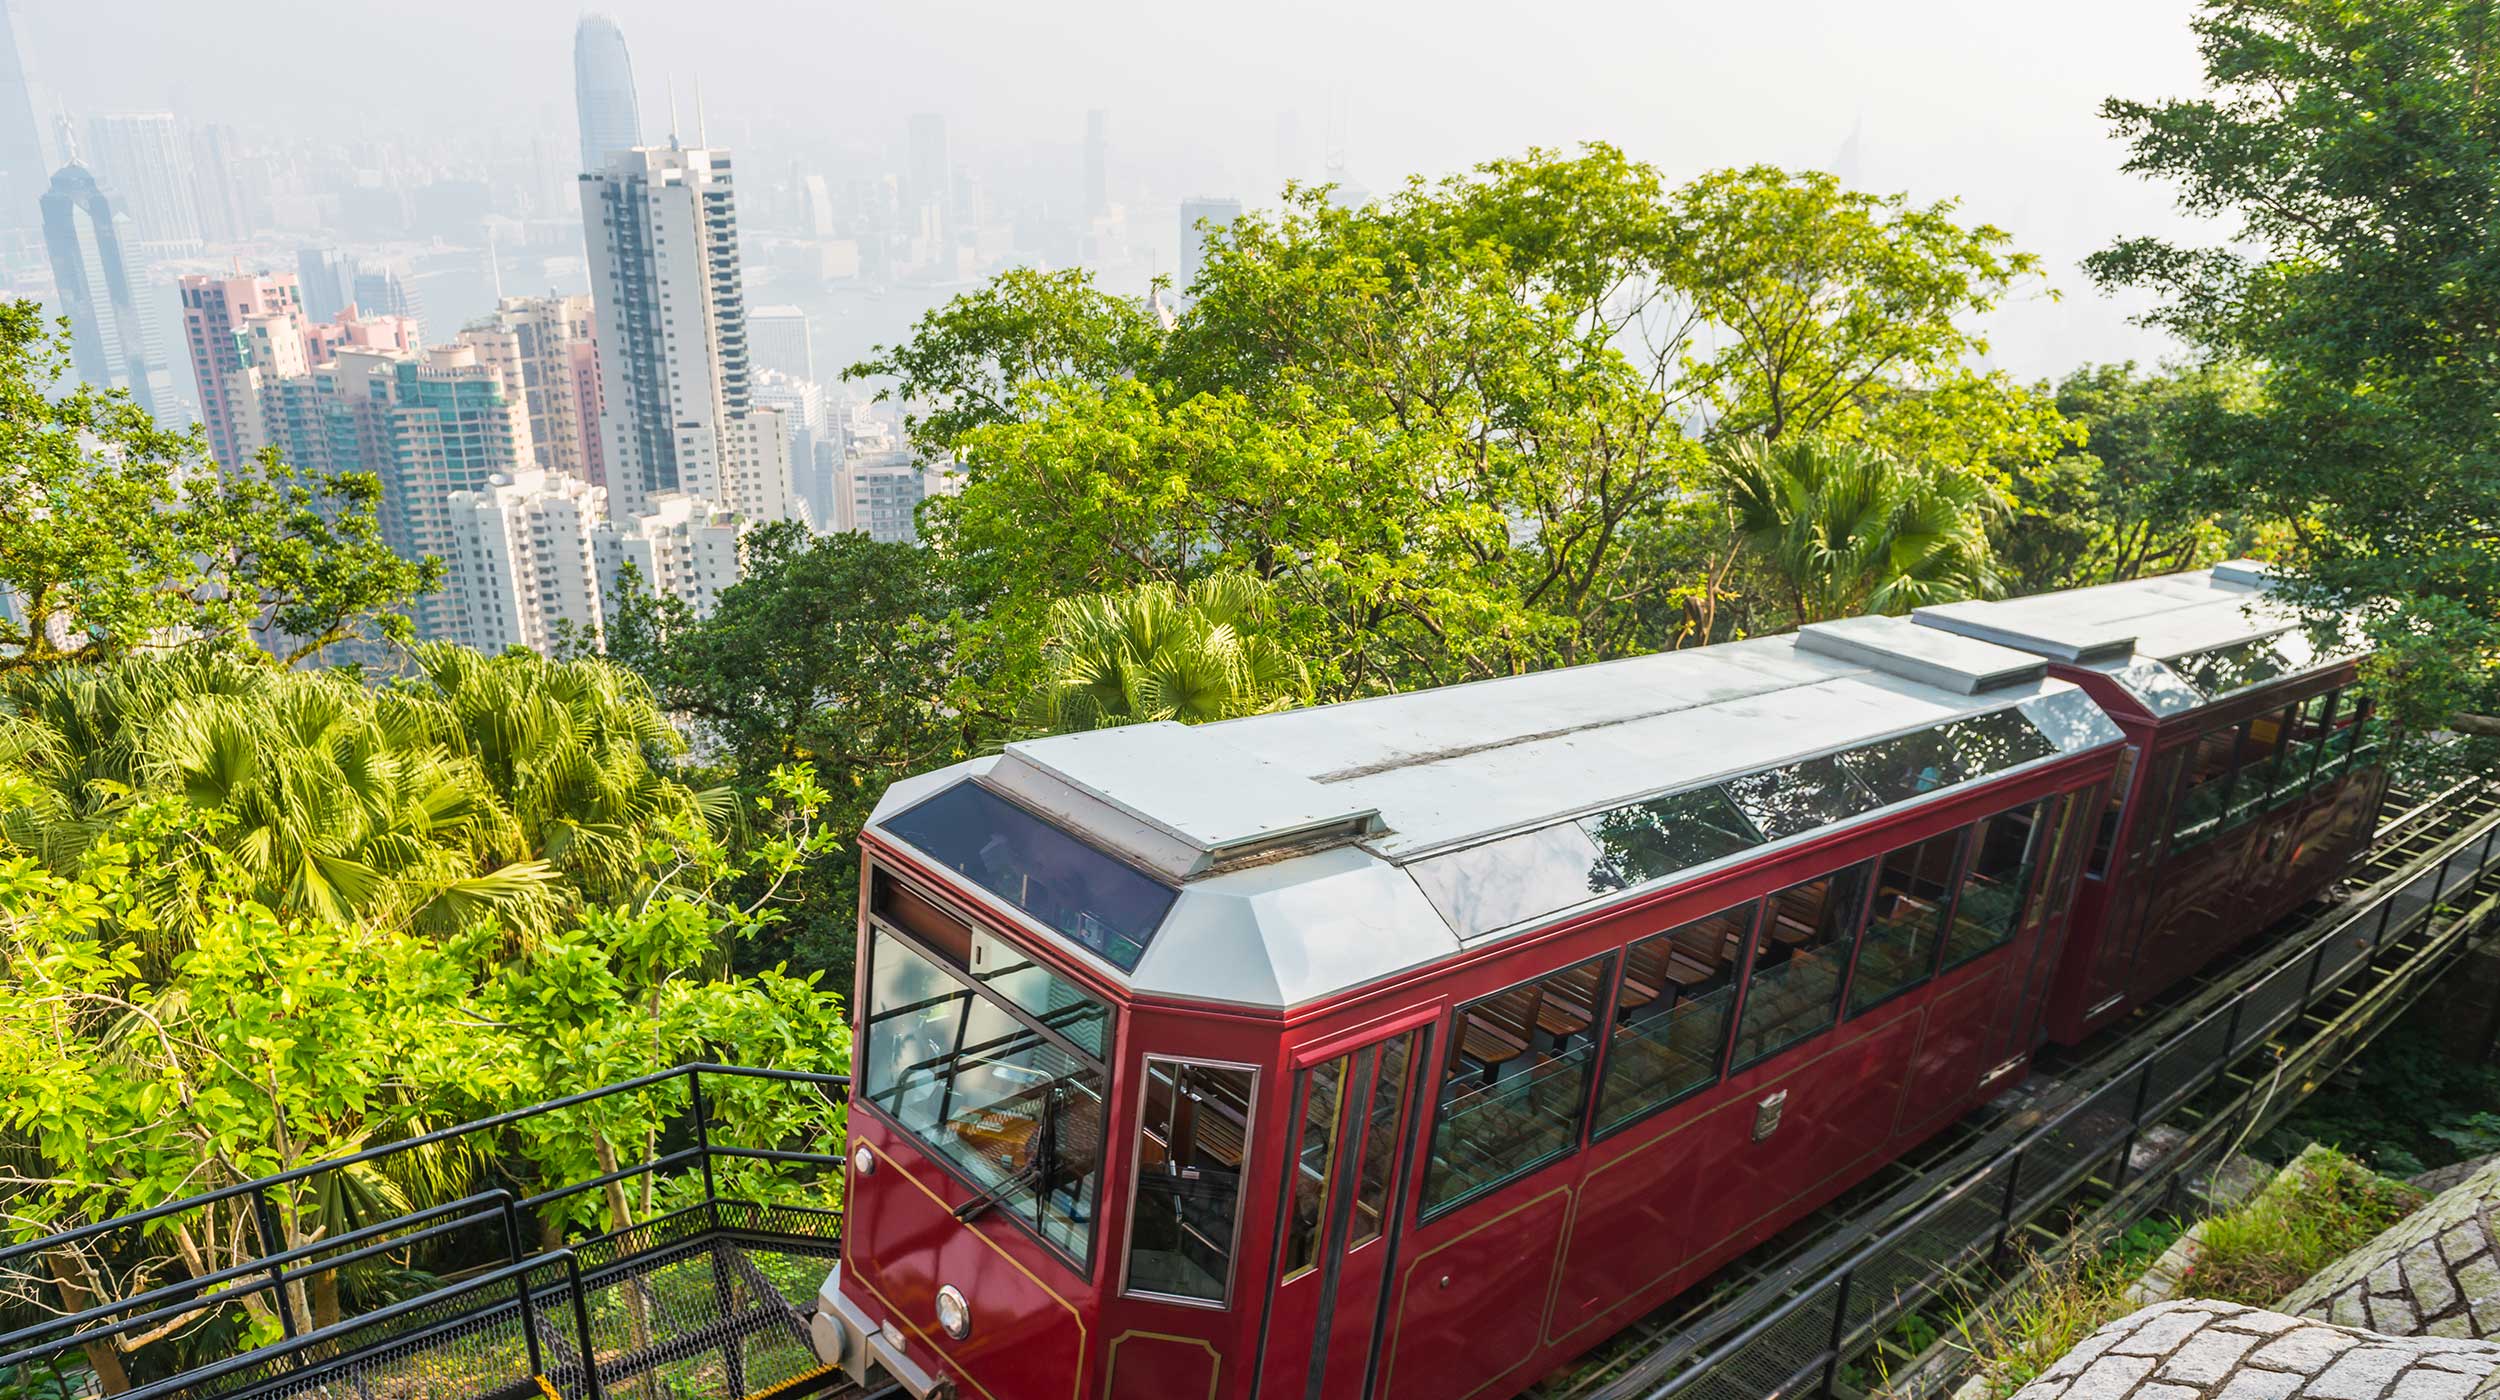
x=140, y=157
x=816, y=201
x=379, y=290
x=521, y=561
x=244, y=333
x=1217, y=212
x=108, y=340
x=801, y=406
x=533, y=343
x=22, y=167
x=321, y=278
x=676, y=407
x=1097, y=164
x=684, y=548
x=928, y=171
x=582, y=358
x=214, y=159
x=778, y=341
x=603, y=92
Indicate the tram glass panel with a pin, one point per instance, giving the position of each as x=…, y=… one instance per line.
x=1800, y=954
x=1913, y=887
x=1098, y=903
x=1185, y=1218
x=1789, y=801
x=2004, y=850
x=1320, y=1092
x=2205, y=792
x=1515, y=1081
x=1651, y=840
x=1015, y=1110
x=1381, y=1138
x=2261, y=756
x=2235, y=667
x=1670, y=1030
x=2105, y=837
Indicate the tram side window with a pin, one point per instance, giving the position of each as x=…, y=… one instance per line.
x=1321, y=1094
x=1903, y=926
x=1379, y=1162
x=2206, y=790
x=1800, y=954
x=1190, y=1145
x=2105, y=839
x=1515, y=1081
x=2005, y=849
x=2261, y=754
x=1670, y=1028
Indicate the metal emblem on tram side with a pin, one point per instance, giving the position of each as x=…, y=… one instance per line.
x=1766, y=1115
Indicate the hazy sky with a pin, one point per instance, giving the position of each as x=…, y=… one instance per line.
x=1991, y=101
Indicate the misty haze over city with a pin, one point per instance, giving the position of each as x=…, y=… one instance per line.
x=403, y=135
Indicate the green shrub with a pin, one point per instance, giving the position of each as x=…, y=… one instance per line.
x=2322, y=1208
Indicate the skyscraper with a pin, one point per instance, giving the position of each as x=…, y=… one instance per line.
x=244, y=333
x=379, y=290
x=532, y=342
x=521, y=560
x=1217, y=212
x=927, y=170
x=140, y=157
x=1097, y=164
x=22, y=179
x=321, y=277
x=99, y=299
x=778, y=336
x=223, y=218
x=603, y=92
x=676, y=411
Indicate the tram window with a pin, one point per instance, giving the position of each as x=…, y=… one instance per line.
x=1783, y=802
x=1321, y=1094
x=2261, y=754
x=1515, y=1081
x=2105, y=839
x=1013, y=1110
x=2319, y=717
x=1670, y=1028
x=1088, y=898
x=1903, y=926
x=1800, y=952
x=2206, y=790
x=1190, y=1146
x=1651, y=840
x=1899, y=769
x=1380, y=1136
x=995, y=963
x=2004, y=851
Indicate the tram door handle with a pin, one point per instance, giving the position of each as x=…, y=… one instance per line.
x=1766, y=1114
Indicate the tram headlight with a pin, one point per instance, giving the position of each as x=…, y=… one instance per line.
x=863, y=1161
x=953, y=1313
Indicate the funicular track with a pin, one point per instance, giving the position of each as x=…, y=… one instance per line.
x=2097, y=1138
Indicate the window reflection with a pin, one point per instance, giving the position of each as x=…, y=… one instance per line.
x=1789, y=801
x=2235, y=667
x=1991, y=903
x=1314, y=1163
x=1652, y=840
x=1190, y=1147
x=1087, y=897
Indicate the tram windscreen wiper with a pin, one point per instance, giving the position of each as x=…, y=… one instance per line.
x=1037, y=1168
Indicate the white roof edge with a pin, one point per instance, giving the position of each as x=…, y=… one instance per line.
x=1929, y=655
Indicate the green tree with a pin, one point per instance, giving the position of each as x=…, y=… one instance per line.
x=117, y=534
x=2349, y=149
x=2123, y=502
x=1846, y=528
x=1163, y=651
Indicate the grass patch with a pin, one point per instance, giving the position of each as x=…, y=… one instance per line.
x=2323, y=1207
x=2066, y=1300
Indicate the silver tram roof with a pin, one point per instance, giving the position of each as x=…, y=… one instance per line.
x=1313, y=851
x=2174, y=642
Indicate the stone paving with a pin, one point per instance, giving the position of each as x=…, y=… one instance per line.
x=2192, y=1350
x=2434, y=1273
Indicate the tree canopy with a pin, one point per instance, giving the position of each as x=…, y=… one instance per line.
x=2349, y=151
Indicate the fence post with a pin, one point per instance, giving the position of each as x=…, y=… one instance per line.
x=2135, y=1120
x=581, y=1327
x=1840, y=1328
x=2005, y=1208
x=703, y=1143
x=529, y=1325
x=275, y=1243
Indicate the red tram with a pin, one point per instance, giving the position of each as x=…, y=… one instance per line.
x=1411, y=1046
x=2248, y=783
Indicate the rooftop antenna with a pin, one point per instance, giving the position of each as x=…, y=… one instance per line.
x=672, y=111
x=494, y=265
x=699, y=141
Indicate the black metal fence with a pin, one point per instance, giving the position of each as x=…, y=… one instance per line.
x=708, y=1294
x=1796, y=1340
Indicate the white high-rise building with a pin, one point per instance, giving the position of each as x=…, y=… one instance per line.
x=684, y=548
x=522, y=562
x=801, y=404
x=778, y=337
x=544, y=349
x=677, y=411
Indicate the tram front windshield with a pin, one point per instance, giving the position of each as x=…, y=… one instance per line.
x=1012, y=1101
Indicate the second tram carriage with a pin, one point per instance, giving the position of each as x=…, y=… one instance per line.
x=1413, y=1045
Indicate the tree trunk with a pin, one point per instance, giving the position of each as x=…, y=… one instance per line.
x=102, y=1356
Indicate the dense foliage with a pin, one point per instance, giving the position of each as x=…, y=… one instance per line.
x=2350, y=150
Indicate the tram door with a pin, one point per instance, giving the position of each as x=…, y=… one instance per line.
x=1353, y=1113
